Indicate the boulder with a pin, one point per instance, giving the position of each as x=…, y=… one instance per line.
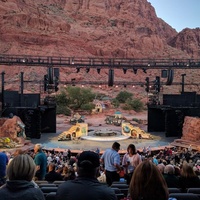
x=191, y=129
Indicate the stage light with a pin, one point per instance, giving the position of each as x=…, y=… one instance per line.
x=98, y=70
x=135, y=71
x=144, y=70
x=87, y=70
x=77, y=69
x=124, y=70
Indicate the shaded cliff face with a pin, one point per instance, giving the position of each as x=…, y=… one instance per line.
x=80, y=28
x=188, y=40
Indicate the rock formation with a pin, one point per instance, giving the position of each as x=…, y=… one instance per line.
x=191, y=129
x=83, y=28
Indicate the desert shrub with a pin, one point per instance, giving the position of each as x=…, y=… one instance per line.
x=115, y=103
x=88, y=106
x=63, y=110
x=135, y=104
x=123, y=96
x=61, y=99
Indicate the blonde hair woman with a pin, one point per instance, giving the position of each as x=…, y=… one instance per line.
x=19, y=185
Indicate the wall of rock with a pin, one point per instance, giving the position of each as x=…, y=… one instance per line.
x=191, y=129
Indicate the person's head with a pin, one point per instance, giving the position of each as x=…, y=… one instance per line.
x=37, y=148
x=131, y=149
x=161, y=167
x=22, y=167
x=52, y=167
x=18, y=152
x=148, y=183
x=169, y=169
x=116, y=146
x=88, y=164
x=187, y=171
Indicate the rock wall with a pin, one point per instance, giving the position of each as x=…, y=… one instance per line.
x=191, y=129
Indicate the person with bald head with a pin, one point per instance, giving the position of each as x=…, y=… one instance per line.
x=40, y=160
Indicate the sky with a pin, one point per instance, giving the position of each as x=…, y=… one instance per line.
x=179, y=14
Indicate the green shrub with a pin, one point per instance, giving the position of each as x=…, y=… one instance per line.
x=63, y=110
x=136, y=105
x=123, y=96
x=115, y=103
x=88, y=106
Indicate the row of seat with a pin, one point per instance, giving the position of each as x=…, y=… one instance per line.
x=121, y=190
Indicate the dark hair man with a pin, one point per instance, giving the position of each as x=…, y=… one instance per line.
x=85, y=186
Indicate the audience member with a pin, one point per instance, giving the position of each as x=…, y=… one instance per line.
x=3, y=163
x=171, y=179
x=188, y=178
x=130, y=161
x=52, y=175
x=111, y=160
x=148, y=183
x=19, y=185
x=85, y=186
x=161, y=167
x=40, y=161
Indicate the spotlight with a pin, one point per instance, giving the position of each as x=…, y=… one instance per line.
x=87, y=70
x=135, y=71
x=98, y=70
x=124, y=70
x=77, y=69
x=144, y=70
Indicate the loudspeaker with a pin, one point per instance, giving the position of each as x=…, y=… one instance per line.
x=164, y=73
x=110, y=77
x=48, y=119
x=56, y=72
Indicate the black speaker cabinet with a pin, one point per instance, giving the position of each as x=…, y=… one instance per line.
x=110, y=77
x=48, y=119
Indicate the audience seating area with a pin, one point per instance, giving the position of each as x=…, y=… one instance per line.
x=121, y=190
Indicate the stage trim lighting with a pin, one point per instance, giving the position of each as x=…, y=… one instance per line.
x=87, y=70
x=124, y=70
x=77, y=69
x=135, y=71
x=144, y=70
x=98, y=70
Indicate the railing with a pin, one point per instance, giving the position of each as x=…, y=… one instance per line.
x=97, y=62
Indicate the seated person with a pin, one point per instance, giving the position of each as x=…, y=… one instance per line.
x=19, y=185
x=52, y=175
x=86, y=186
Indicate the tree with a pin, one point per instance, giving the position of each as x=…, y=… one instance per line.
x=123, y=96
x=79, y=96
x=135, y=104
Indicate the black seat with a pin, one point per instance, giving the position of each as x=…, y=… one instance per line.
x=124, y=188
x=174, y=190
x=117, y=190
x=47, y=190
x=41, y=182
x=47, y=185
x=51, y=196
x=120, y=196
x=58, y=182
x=184, y=196
x=194, y=190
